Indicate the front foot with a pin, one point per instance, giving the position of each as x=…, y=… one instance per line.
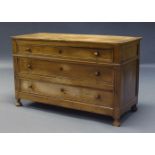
x=18, y=103
x=134, y=108
x=117, y=122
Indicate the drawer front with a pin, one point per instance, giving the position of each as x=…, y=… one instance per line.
x=71, y=53
x=65, y=92
x=85, y=75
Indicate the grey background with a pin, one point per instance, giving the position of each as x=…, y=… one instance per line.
x=146, y=30
x=34, y=117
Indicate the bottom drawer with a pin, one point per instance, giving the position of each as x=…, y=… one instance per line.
x=65, y=92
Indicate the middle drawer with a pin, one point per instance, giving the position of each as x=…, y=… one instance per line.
x=68, y=73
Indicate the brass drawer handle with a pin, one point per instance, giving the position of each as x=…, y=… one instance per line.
x=29, y=66
x=98, y=97
x=96, y=53
x=97, y=73
x=28, y=50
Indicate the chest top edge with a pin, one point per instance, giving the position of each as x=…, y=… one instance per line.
x=78, y=38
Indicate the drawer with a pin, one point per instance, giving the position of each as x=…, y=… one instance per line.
x=69, y=73
x=69, y=53
x=65, y=92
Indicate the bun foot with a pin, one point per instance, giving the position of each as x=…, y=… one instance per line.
x=116, y=123
x=18, y=103
x=134, y=108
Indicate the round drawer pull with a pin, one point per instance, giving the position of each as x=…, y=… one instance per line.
x=98, y=97
x=28, y=50
x=29, y=66
x=62, y=90
x=96, y=53
x=97, y=73
x=60, y=51
x=61, y=68
x=30, y=86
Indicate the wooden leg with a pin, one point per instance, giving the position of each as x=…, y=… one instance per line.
x=117, y=122
x=134, y=108
x=18, y=103
x=117, y=117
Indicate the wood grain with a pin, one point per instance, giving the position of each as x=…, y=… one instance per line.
x=92, y=76
x=75, y=53
x=94, y=73
x=65, y=92
x=78, y=38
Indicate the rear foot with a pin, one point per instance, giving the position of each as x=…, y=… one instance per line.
x=134, y=108
x=117, y=123
x=18, y=103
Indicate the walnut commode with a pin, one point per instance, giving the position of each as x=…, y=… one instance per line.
x=94, y=73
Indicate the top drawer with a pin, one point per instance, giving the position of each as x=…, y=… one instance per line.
x=63, y=52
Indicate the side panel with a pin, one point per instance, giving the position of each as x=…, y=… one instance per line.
x=15, y=65
x=129, y=52
x=130, y=78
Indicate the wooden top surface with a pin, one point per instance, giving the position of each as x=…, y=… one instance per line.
x=109, y=39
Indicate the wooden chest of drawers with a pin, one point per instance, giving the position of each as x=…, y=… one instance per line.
x=94, y=73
